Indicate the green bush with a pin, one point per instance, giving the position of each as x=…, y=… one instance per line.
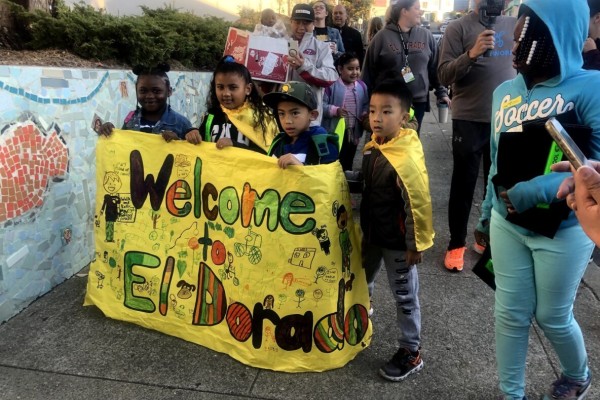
x=157, y=35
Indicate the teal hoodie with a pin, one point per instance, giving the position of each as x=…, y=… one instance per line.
x=573, y=89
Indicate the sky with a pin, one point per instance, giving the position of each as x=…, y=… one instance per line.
x=227, y=9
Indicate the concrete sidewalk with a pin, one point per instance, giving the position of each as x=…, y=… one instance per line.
x=58, y=349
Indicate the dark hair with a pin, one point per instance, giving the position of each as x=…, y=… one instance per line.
x=344, y=59
x=395, y=87
x=328, y=18
x=393, y=12
x=536, y=46
x=375, y=25
x=594, y=7
x=260, y=112
x=159, y=70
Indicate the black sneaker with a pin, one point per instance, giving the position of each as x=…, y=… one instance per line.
x=569, y=389
x=402, y=365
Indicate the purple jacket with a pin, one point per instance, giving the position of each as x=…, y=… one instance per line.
x=333, y=98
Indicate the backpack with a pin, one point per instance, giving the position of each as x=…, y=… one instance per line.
x=316, y=152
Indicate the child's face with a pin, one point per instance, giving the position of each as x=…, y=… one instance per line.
x=268, y=19
x=294, y=118
x=350, y=71
x=386, y=115
x=152, y=93
x=231, y=89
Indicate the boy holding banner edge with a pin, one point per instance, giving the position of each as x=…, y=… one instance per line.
x=295, y=107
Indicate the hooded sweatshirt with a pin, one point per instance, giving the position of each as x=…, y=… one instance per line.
x=386, y=53
x=574, y=89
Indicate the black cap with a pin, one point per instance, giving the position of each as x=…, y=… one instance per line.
x=297, y=92
x=303, y=11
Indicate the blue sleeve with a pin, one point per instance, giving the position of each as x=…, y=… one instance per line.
x=186, y=126
x=338, y=40
x=589, y=112
x=486, y=206
x=541, y=189
x=327, y=102
x=490, y=192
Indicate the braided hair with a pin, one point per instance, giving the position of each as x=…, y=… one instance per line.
x=536, y=48
x=159, y=70
x=260, y=112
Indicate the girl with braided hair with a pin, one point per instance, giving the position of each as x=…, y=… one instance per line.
x=539, y=250
x=153, y=113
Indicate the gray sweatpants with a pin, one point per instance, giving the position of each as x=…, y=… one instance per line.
x=404, y=282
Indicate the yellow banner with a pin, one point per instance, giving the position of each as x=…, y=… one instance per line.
x=225, y=249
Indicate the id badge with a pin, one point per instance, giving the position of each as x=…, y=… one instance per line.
x=407, y=74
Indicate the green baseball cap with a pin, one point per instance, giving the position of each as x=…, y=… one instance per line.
x=297, y=92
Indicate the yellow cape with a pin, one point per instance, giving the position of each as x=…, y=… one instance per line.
x=405, y=153
x=243, y=120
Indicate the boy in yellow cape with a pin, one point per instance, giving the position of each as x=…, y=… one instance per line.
x=396, y=216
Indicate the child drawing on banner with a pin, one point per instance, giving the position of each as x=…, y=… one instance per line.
x=323, y=237
x=270, y=25
x=110, y=206
x=341, y=216
x=153, y=113
x=236, y=115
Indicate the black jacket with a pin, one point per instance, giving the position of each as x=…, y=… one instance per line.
x=591, y=59
x=382, y=214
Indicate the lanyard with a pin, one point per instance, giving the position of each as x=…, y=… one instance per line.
x=404, y=46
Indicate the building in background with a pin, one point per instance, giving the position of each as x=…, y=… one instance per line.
x=433, y=10
x=512, y=7
x=461, y=5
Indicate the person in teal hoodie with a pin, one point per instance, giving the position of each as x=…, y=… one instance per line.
x=539, y=250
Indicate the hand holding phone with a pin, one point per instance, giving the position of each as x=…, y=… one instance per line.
x=565, y=143
x=293, y=48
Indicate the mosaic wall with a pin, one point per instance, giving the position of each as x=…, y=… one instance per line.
x=47, y=168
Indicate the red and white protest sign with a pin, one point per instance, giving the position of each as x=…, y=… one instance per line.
x=265, y=57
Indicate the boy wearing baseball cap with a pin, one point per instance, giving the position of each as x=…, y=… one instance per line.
x=295, y=107
x=313, y=63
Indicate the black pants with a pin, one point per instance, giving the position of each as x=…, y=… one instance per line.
x=469, y=141
x=419, y=109
x=347, y=153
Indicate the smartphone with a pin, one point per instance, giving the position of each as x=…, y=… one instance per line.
x=566, y=144
x=293, y=48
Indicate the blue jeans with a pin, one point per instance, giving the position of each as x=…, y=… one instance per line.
x=537, y=277
x=404, y=282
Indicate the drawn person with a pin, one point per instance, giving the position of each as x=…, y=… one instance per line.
x=345, y=244
x=67, y=234
x=268, y=302
x=123, y=89
x=97, y=124
x=110, y=206
x=323, y=237
x=100, y=276
x=300, y=296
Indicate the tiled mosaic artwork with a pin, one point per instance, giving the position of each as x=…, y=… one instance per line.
x=47, y=168
x=28, y=159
